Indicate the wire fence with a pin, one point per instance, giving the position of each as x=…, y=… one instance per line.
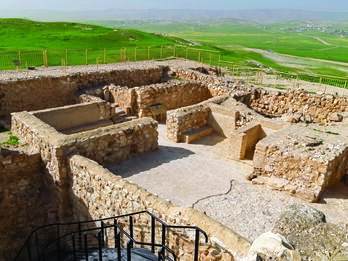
x=24, y=59
x=259, y=75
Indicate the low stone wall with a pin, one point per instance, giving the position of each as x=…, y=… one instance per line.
x=301, y=105
x=301, y=164
x=222, y=120
x=107, y=144
x=123, y=96
x=25, y=202
x=218, y=86
x=172, y=95
x=243, y=141
x=74, y=115
x=189, y=118
x=97, y=193
x=49, y=92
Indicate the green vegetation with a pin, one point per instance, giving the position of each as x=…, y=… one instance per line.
x=328, y=132
x=233, y=45
x=13, y=140
x=21, y=34
x=320, y=141
x=266, y=42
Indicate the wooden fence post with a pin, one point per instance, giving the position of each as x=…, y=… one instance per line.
x=20, y=57
x=161, y=52
x=66, y=56
x=148, y=52
x=46, y=58
x=210, y=59
x=104, y=56
x=186, y=52
x=43, y=57
x=199, y=56
x=174, y=50
x=135, y=54
x=346, y=84
x=86, y=56
x=121, y=53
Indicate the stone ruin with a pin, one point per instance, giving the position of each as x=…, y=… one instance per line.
x=71, y=125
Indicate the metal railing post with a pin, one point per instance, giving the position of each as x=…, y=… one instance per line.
x=86, y=245
x=73, y=246
x=80, y=236
x=29, y=250
x=37, y=245
x=118, y=246
x=102, y=233
x=164, y=238
x=115, y=233
x=131, y=226
x=196, y=245
x=129, y=250
x=100, y=245
x=153, y=231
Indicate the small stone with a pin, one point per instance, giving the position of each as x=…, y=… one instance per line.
x=336, y=117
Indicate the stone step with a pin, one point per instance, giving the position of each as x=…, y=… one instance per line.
x=192, y=135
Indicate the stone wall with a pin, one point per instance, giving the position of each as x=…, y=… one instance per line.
x=300, y=105
x=97, y=193
x=75, y=115
x=188, y=118
x=300, y=161
x=217, y=86
x=25, y=201
x=123, y=96
x=172, y=95
x=222, y=120
x=193, y=117
x=49, y=92
x=242, y=142
x=107, y=144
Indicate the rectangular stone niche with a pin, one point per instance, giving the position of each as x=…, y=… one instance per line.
x=77, y=118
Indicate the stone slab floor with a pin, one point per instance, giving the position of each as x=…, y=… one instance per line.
x=198, y=175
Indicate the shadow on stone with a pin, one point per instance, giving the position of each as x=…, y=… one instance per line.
x=163, y=154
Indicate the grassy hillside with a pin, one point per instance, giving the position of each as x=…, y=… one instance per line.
x=327, y=41
x=230, y=37
x=24, y=34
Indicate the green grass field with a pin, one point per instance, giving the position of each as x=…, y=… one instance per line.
x=78, y=44
x=67, y=43
x=21, y=34
x=234, y=38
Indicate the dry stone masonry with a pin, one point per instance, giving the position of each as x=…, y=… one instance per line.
x=70, y=125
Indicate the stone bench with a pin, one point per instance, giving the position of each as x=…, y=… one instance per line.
x=192, y=135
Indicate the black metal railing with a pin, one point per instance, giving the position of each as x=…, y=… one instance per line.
x=86, y=235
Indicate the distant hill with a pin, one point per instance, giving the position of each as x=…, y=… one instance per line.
x=26, y=34
x=265, y=16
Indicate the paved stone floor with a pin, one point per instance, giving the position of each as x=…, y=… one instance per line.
x=199, y=175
